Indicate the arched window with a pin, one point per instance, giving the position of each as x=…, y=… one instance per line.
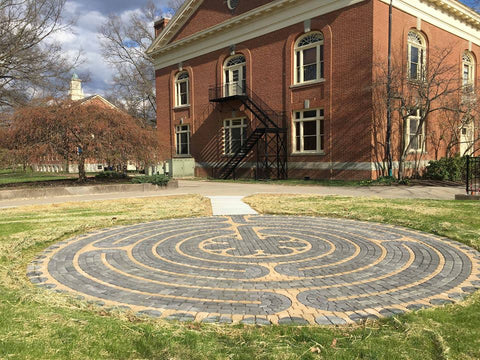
x=417, y=55
x=235, y=76
x=182, y=85
x=309, y=58
x=468, y=71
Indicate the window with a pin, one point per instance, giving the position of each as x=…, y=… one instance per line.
x=415, y=136
x=309, y=58
x=308, y=131
x=417, y=52
x=183, y=139
x=235, y=76
x=468, y=71
x=235, y=134
x=232, y=4
x=467, y=138
x=181, y=89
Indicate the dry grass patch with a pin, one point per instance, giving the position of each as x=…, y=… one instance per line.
x=454, y=219
x=27, y=230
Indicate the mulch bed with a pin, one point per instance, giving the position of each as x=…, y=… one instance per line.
x=63, y=183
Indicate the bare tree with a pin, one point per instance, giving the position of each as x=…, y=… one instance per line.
x=124, y=43
x=30, y=59
x=174, y=5
x=434, y=108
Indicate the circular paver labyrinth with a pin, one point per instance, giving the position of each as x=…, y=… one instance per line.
x=261, y=269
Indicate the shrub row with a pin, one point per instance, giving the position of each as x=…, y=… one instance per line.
x=161, y=180
x=452, y=169
x=111, y=175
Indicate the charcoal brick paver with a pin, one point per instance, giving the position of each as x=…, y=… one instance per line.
x=261, y=269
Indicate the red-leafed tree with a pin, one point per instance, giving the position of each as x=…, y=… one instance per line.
x=78, y=132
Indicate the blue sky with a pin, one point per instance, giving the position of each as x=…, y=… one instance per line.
x=89, y=15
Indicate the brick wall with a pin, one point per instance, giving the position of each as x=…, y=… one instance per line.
x=355, y=39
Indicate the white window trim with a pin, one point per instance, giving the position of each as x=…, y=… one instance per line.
x=421, y=71
x=421, y=135
x=319, y=118
x=240, y=66
x=230, y=127
x=178, y=83
x=470, y=63
x=178, y=131
x=318, y=46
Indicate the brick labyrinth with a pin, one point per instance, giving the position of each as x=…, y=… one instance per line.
x=261, y=269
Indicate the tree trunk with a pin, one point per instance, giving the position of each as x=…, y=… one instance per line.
x=82, y=176
x=401, y=163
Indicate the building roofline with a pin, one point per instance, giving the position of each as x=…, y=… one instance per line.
x=453, y=7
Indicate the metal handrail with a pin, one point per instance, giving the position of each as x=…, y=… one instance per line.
x=242, y=92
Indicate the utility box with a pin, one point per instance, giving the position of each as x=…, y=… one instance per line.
x=182, y=167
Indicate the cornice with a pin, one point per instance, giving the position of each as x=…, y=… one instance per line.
x=448, y=15
x=262, y=20
x=175, y=24
x=458, y=10
x=189, y=7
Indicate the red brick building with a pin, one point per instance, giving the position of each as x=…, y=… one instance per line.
x=286, y=87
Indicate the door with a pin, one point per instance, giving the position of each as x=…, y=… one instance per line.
x=235, y=76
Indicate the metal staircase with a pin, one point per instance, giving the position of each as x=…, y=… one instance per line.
x=268, y=138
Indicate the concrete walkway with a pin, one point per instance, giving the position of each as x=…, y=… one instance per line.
x=230, y=205
x=210, y=188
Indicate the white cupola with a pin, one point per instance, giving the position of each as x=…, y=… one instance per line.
x=76, y=92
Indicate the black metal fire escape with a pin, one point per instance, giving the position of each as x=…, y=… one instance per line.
x=268, y=136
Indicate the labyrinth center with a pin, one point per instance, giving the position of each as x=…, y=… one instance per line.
x=262, y=269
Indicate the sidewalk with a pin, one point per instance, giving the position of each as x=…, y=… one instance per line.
x=207, y=188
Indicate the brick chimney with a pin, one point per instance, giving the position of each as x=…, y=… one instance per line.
x=160, y=25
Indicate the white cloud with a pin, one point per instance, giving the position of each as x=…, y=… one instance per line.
x=89, y=15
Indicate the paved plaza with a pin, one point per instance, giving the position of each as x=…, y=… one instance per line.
x=261, y=269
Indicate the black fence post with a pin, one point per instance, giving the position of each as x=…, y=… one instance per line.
x=468, y=175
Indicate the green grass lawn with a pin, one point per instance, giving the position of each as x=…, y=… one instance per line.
x=12, y=177
x=38, y=324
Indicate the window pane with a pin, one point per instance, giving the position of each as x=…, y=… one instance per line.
x=310, y=56
x=310, y=114
x=227, y=141
x=236, y=134
x=413, y=71
x=299, y=67
x=413, y=126
x=466, y=74
x=183, y=99
x=178, y=144
x=414, y=55
x=414, y=142
x=322, y=125
x=298, y=115
x=310, y=143
x=236, y=122
x=309, y=128
x=297, y=136
x=183, y=87
x=310, y=72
